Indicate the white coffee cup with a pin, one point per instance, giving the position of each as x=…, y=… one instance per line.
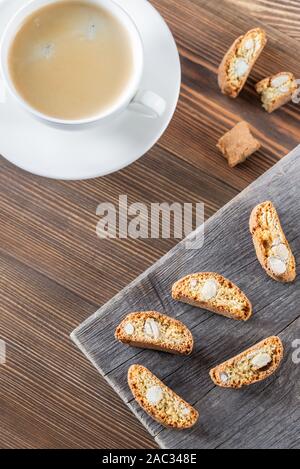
x=145, y=102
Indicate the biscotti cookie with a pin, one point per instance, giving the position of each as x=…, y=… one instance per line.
x=215, y=293
x=276, y=90
x=238, y=144
x=159, y=401
x=155, y=331
x=255, y=364
x=239, y=60
x=271, y=246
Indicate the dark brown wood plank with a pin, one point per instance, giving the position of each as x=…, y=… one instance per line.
x=49, y=397
x=203, y=114
x=228, y=249
x=280, y=14
x=58, y=221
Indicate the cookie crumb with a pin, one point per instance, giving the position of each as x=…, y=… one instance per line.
x=238, y=144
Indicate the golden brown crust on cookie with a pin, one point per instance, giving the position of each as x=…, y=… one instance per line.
x=251, y=366
x=238, y=144
x=211, y=291
x=272, y=248
x=156, y=331
x=159, y=401
x=276, y=90
x=239, y=61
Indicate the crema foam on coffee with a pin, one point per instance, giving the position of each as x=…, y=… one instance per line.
x=71, y=60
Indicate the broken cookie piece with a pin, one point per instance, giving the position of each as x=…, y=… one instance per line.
x=212, y=291
x=238, y=144
x=159, y=401
x=239, y=61
x=277, y=90
x=254, y=365
x=155, y=331
x=272, y=248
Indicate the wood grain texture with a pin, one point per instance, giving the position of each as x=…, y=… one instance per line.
x=281, y=14
x=55, y=271
x=228, y=249
x=204, y=115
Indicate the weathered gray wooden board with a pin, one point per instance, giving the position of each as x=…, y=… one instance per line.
x=262, y=416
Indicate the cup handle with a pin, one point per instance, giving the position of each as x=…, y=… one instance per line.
x=148, y=104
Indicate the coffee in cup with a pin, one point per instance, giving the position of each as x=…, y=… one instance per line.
x=71, y=59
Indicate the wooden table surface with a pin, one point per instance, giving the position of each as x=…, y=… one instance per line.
x=55, y=271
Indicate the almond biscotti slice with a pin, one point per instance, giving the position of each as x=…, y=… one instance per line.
x=255, y=364
x=271, y=246
x=215, y=293
x=157, y=331
x=276, y=90
x=239, y=61
x=159, y=401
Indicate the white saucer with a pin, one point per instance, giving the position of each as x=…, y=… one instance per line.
x=93, y=152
